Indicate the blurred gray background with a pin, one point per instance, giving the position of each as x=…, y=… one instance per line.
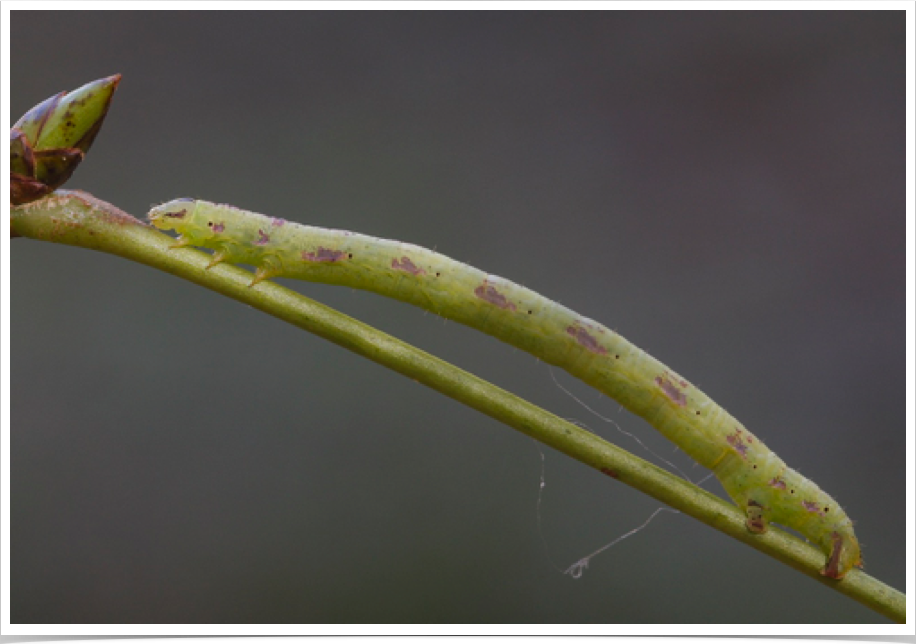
x=724, y=189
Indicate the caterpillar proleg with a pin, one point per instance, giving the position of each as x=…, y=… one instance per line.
x=756, y=479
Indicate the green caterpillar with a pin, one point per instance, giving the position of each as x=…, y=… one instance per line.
x=758, y=481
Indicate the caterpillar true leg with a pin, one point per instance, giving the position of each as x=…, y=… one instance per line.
x=182, y=241
x=218, y=256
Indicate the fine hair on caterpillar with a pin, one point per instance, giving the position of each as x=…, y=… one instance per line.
x=755, y=478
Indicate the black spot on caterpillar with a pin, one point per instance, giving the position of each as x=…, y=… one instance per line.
x=756, y=479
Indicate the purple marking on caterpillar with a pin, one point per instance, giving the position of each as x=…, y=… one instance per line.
x=276, y=221
x=778, y=483
x=324, y=256
x=736, y=441
x=586, y=339
x=812, y=507
x=404, y=264
x=670, y=389
x=488, y=293
x=218, y=228
x=263, y=239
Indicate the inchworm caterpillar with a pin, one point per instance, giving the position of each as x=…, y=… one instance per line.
x=758, y=481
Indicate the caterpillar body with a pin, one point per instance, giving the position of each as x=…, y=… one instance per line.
x=756, y=479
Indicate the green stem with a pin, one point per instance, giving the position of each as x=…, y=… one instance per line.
x=79, y=219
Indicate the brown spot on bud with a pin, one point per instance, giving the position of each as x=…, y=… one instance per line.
x=25, y=189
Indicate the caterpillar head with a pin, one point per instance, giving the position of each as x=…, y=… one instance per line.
x=177, y=215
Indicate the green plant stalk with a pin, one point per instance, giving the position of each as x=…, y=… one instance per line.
x=79, y=219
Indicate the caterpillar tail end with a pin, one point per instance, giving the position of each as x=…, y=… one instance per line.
x=844, y=556
x=843, y=551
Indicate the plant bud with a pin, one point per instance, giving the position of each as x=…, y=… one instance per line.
x=51, y=139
